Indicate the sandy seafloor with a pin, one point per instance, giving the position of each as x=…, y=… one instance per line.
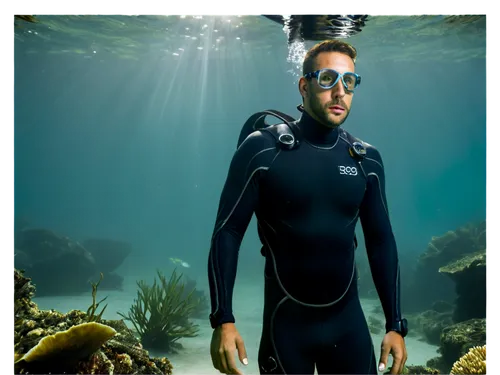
x=194, y=359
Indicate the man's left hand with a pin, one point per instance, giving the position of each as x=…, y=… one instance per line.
x=394, y=344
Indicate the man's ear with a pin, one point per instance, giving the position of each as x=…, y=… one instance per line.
x=303, y=87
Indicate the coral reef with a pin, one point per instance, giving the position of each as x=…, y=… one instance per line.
x=456, y=340
x=429, y=324
x=161, y=313
x=429, y=285
x=469, y=275
x=106, y=347
x=420, y=370
x=454, y=261
x=474, y=362
x=454, y=244
x=62, y=351
x=43, y=254
x=24, y=291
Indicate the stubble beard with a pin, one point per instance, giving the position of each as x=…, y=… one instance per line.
x=325, y=117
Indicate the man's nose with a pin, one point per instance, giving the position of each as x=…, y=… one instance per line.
x=338, y=89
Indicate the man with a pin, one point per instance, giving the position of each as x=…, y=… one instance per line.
x=307, y=200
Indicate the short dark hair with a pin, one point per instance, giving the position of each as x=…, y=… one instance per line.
x=327, y=46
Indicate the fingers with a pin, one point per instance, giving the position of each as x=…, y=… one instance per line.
x=215, y=357
x=398, y=362
x=384, y=355
x=405, y=357
x=242, y=352
x=224, y=368
x=222, y=349
x=219, y=360
x=402, y=358
x=231, y=363
x=396, y=365
x=215, y=360
x=223, y=360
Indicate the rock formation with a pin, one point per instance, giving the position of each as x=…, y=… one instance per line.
x=469, y=276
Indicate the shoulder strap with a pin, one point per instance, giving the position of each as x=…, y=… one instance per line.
x=357, y=149
x=283, y=133
x=348, y=136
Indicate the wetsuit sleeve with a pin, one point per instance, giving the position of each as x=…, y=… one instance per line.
x=236, y=207
x=379, y=239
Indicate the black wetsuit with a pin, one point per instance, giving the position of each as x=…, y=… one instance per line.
x=307, y=202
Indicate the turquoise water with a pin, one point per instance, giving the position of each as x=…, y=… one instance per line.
x=125, y=127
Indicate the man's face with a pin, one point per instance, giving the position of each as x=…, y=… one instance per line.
x=328, y=106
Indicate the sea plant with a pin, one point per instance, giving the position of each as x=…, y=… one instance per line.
x=160, y=313
x=199, y=298
x=91, y=311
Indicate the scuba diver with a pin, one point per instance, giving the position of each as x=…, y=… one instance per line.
x=308, y=181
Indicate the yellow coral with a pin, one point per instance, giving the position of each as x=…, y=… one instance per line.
x=123, y=364
x=77, y=342
x=473, y=362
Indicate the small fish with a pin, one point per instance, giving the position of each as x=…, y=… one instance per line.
x=180, y=262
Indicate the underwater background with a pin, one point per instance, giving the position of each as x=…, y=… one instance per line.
x=125, y=128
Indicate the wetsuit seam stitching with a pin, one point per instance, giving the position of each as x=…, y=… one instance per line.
x=345, y=140
x=250, y=163
x=353, y=219
x=375, y=161
x=288, y=294
x=323, y=148
x=273, y=316
x=395, y=310
x=215, y=270
x=380, y=191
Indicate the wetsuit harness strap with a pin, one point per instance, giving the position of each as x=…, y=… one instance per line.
x=284, y=133
x=357, y=149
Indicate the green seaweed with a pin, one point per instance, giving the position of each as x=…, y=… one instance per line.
x=91, y=317
x=160, y=313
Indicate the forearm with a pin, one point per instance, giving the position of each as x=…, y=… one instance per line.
x=380, y=242
x=384, y=265
x=222, y=267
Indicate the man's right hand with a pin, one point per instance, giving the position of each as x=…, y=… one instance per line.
x=225, y=341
